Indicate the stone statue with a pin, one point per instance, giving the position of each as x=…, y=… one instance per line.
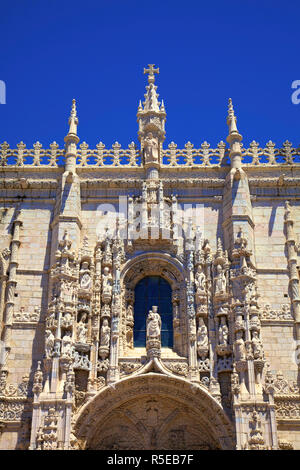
x=105, y=334
x=49, y=343
x=130, y=313
x=223, y=332
x=153, y=324
x=106, y=282
x=67, y=319
x=200, y=280
x=239, y=347
x=85, y=280
x=150, y=148
x=220, y=283
x=82, y=330
x=202, y=337
x=257, y=346
x=67, y=344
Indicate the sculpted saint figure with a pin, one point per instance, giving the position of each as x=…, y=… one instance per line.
x=67, y=344
x=105, y=334
x=130, y=313
x=153, y=324
x=223, y=332
x=49, y=343
x=82, y=330
x=106, y=281
x=85, y=282
x=257, y=346
x=239, y=345
x=220, y=286
x=150, y=148
x=202, y=338
x=200, y=280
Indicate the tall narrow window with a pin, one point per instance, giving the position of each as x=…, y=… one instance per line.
x=153, y=290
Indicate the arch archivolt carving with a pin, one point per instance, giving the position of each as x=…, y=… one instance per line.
x=153, y=264
x=154, y=412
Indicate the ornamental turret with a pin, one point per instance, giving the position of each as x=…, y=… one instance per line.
x=151, y=117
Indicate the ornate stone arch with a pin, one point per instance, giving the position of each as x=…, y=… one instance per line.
x=154, y=411
x=167, y=267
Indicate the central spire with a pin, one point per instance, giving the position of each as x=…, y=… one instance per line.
x=151, y=118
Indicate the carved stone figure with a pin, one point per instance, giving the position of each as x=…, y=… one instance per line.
x=150, y=148
x=67, y=344
x=86, y=281
x=239, y=347
x=49, y=343
x=82, y=330
x=153, y=324
x=223, y=332
x=106, y=284
x=257, y=346
x=220, y=282
x=202, y=338
x=200, y=281
x=105, y=334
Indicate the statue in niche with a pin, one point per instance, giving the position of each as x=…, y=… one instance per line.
x=130, y=313
x=67, y=344
x=223, y=332
x=49, y=343
x=105, y=334
x=82, y=329
x=220, y=282
x=67, y=319
x=85, y=279
x=150, y=148
x=257, y=345
x=153, y=324
x=200, y=280
x=239, y=347
x=106, y=282
x=202, y=337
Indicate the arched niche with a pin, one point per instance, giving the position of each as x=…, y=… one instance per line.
x=162, y=266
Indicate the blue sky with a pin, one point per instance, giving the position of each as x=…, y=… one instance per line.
x=95, y=51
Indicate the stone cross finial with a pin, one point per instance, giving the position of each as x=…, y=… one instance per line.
x=151, y=71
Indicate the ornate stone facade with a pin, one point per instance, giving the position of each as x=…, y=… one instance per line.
x=81, y=227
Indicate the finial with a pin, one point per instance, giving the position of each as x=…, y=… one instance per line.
x=151, y=71
x=73, y=119
x=230, y=109
x=162, y=108
x=140, y=107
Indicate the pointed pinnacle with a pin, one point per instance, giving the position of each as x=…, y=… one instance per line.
x=140, y=107
x=230, y=109
x=73, y=119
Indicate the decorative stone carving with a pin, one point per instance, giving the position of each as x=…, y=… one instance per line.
x=202, y=339
x=153, y=327
x=104, y=339
x=82, y=330
x=49, y=343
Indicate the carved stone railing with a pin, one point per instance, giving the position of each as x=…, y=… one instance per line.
x=101, y=156
x=270, y=155
x=131, y=157
x=37, y=156
x=190, y=156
